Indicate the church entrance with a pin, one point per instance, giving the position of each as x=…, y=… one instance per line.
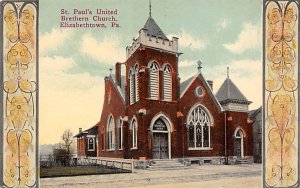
x=160, y=138
x=160, y=146
x=239, y=145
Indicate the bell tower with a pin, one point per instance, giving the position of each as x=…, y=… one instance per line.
x=152, y=65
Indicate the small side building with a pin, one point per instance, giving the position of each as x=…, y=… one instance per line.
x=87, y=142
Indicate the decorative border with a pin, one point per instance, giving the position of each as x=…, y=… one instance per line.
x=19, y=96
x=280, y=114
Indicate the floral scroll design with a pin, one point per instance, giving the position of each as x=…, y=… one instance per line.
x=281, y=87
x=19, y=86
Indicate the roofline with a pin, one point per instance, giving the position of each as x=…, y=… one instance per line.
x=85, y=131
x=154, y=48
x=256, y=111
x=118, y=88
x=208, y=88
x=235, y=101
x=206, y=85
x=81, y=133
x=189, y=85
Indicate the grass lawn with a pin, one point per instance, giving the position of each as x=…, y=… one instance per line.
x=58, y=171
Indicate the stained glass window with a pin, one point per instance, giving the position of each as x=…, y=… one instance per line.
x=134, y=133
x=111, y=133
x=199, y=128
x=120, y=134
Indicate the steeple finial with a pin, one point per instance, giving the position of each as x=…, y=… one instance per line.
x=199, y=65
x=227, y=72
x=150, y=8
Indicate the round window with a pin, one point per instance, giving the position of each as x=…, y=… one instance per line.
x=199, y=92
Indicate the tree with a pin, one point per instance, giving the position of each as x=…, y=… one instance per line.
x=67, y=140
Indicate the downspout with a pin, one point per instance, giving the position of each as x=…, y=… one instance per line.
x=225, y=123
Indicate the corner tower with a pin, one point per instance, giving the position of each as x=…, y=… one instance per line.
x=152, y=66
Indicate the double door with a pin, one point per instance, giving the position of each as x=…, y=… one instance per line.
x=160, y=146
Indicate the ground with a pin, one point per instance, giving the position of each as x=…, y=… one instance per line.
x=58, y=171
x=212, y=176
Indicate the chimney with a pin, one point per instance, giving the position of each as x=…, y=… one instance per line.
x=211, y=84
x=80, y=130
x=118, y=74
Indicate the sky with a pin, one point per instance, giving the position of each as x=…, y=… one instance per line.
x=74, y=62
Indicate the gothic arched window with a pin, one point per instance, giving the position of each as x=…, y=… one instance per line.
x=134, y=133
x=133, y=84
x=167, y=83
x=136, y=79
x=199, y=123
x=153, y=80
x=110, y=132
x=120, y=133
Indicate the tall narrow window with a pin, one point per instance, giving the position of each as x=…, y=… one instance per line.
x=102, y=141
x=136, y=79
x=111, y=133
x=132, y=86
x=153, y=80
x=199, y=128
x=134, y=133
x=167, y=83
x=120, y=134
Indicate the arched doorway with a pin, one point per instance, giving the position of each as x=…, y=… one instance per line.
x=239, y=143
x=161, y=140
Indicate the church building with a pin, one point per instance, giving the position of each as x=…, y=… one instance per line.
x=148, y=113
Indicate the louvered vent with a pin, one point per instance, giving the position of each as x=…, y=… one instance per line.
x=136, y=74
x=131, y=87
x=153, y=81
x=167, y=83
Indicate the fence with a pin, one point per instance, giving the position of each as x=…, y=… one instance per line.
x=123, y=164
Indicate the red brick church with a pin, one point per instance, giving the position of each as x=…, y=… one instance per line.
x=149, y=113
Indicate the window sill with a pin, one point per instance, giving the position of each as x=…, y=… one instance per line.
x=110, y=150
x=203, y=149
x=133, y=148
x=121, y=149
x=91, y=150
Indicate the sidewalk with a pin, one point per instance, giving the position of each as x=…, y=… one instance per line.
x=197, y=176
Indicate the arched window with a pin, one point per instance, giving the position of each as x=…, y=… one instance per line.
x=153, y=80
x=131, y=86
x=134, y=133
x=91, y=144
x=120, y=133
x=136, y=79
x=199, y=123
x=167, y=83
x=110, y=132
x=134, y=84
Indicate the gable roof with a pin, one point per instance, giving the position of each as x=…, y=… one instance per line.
x=121, y=90
x=184, y=86
x=90, y=131
x=230, y=92
x=153, y=29
x=253, y=113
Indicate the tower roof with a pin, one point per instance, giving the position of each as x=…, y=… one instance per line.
x=230, y=92
x=152, y=29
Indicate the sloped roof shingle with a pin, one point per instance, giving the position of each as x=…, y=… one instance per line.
x=153, y=29
x=229, y=91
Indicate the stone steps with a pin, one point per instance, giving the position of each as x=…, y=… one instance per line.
x=165, y=165
x=243, y=161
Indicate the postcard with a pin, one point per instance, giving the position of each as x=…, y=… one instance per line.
x=134, y=93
